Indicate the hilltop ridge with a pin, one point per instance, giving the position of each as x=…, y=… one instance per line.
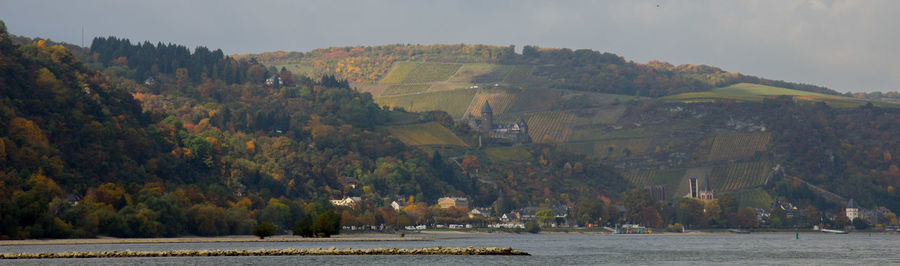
x=561, y=68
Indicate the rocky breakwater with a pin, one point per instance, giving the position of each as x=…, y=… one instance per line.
x=269, y=252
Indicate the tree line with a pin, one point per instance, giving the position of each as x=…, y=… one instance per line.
x=140, y=61
x=80, y=156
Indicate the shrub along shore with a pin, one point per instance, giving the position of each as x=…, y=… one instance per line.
x=268, y=252
x=228, y=239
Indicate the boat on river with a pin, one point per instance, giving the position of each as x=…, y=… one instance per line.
x=633, y=229
x=738, y=231
x=840, y=232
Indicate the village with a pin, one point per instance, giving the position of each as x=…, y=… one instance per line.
x=699, y=210
x=646, y=209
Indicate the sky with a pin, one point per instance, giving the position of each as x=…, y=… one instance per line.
x=844, y=45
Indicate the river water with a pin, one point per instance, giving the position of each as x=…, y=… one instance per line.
x=546, y=249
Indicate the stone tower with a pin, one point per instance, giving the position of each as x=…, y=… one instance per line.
x=487, y=117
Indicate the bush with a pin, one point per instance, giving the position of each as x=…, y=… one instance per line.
x=532, y=227
x=324, y=224
x=264, y=230
x=327, y=223
x=674, y=228
x=303, y=227
x=860, y=224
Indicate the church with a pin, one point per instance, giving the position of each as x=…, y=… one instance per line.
x=698, y=193
x=513, y=133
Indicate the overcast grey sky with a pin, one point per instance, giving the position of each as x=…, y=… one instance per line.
x=844, y=45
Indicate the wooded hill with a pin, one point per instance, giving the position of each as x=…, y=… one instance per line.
x=91, y=145
x=656, y=123
x=207, y=147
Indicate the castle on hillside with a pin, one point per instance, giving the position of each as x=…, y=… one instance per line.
x=515, y=133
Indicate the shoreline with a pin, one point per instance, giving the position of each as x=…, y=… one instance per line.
x=470, y=251
x=212, y=239
x=427, y=235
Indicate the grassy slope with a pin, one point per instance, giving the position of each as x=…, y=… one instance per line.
x=453, y=102
x=404, y=89
x=431, y=72
x=431, y=133
x=398, y=73
x=479, y=73
x=757, y=198
x=748, y=92
x=756, y=89
x=512, y=153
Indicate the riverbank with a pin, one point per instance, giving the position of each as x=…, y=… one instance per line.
x=268, y=252
x=425, y=235
x=223, y=239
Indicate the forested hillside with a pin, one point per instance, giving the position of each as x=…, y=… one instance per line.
x=80, y=157
x=207, y=147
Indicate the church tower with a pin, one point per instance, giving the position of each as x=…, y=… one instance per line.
x=707, y=194
x=487, y=117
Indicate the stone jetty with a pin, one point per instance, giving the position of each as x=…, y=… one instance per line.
x=269, y=252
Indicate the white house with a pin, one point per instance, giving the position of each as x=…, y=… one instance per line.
x=852, y=212
x=480, y=212
x=396, y=205
x=346, y=202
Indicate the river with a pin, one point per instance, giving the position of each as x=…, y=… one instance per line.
x=546, y=249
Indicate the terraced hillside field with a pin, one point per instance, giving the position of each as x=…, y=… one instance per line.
x=603, y=115
x=668, y=178
x=481, y=73
x=453, y=102
x=621, y=147
x=399, y=72
x=519, y=74
x=404, y=89
x=431, y=133
x=735, y=176
x=499, y=101
x=757, y=198
x=535, y=100
x=420, y=72
x=554, y=126
x=593, y=134
x=732, y=146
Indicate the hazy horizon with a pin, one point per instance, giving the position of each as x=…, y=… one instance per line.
x=843, y=45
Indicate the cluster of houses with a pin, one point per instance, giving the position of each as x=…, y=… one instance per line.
x=513, y=219
x=871, y=216
x=852, y=212
x=561, y=218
